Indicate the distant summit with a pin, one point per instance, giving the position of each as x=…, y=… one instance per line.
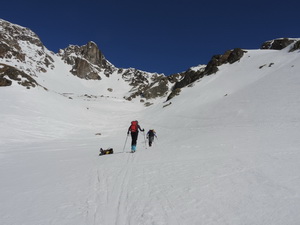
x=87, y=61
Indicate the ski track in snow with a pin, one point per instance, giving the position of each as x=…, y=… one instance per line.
x=127, y=202
x=102, y=201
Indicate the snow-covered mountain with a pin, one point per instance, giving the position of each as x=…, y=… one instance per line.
x=24, y=59
x=227, y=150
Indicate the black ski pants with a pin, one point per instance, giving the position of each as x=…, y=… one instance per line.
x=151, y=139
x=134, y=137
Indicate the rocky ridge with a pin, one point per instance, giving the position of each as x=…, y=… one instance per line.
x=87, y=61
x=23, y=57
x=190, y=76
x=230, y=56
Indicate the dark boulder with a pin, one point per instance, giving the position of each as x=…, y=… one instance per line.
x=235, y=55
x=230, y=56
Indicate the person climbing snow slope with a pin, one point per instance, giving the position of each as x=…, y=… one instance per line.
x=150, y=136
x=134, y=130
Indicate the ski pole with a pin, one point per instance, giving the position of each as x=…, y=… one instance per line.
x=125, y=142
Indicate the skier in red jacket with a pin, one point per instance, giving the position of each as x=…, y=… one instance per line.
x=134, y=130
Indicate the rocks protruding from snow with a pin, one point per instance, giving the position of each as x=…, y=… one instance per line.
x=296, y=46
x=230, y=56
x=146, y=85
x=188, y=77
x=9, y=74
x=277, y=44
x=24, y=59
x=87, y=61
x=22, y=48
x=191, y=75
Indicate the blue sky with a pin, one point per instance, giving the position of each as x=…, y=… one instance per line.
x=156, y=36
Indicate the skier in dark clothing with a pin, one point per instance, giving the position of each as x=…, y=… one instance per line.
x=150, y=136
x=134, y=130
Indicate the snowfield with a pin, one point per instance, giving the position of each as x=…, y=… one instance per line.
x=228, y=150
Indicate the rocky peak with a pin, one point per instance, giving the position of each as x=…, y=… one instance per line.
x=22, y=52
x=92, y=53
x=87, y=61
x=20, y=44
x=13, y=32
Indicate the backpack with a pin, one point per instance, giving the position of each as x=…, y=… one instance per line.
x=106, y=151
x=134, y=126
x=151, y=133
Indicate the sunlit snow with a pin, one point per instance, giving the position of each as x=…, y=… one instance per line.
x=227, y=150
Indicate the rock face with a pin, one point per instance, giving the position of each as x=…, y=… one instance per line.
x=87, y=61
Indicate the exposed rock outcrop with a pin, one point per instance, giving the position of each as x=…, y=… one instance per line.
x=9, y=74
x=146, y=85
x=24, y=56
x=277, y=44
x=87, y=61
x=20, y=44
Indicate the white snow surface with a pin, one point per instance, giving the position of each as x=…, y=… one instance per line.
x=228, y=150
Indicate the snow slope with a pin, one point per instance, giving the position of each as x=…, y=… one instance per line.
x=227, y=151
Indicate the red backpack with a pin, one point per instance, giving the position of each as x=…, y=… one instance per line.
x=134, y=126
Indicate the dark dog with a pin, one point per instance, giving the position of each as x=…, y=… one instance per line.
x=106, y=151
